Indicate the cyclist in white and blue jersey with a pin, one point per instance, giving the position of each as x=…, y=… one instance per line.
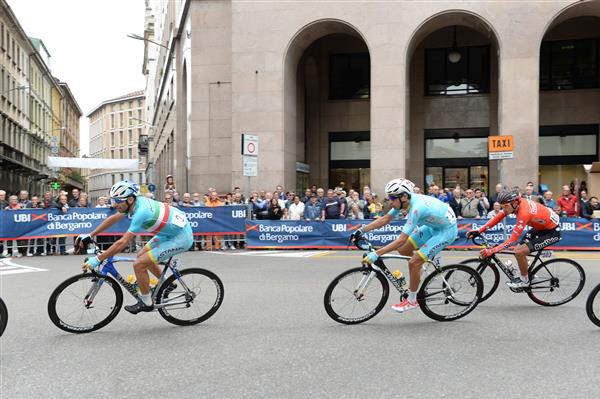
x=169, y=226
x=430, y=227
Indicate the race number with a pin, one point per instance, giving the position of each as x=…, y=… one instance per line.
x=178, y=220
x=554, y=217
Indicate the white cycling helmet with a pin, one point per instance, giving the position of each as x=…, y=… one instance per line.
x=399, y=186
x=124, y=189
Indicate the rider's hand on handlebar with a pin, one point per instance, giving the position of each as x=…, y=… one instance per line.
x=358, y=233
x=486, y=253
x=370, y=258
x=92, y=263
x=473, y=234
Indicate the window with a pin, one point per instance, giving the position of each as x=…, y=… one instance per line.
x=120, y=119
x=2, y=36
x=112, y=139
x=121, y=153
x=139, y=116
x=112, y=121
x=349, y=76
x=121, y=142
x=130, y=136
x=129, y=153
x=567, y=145
x=140, y=178
x=112, y=154
x=471, y=75
x=130, y=118
x=569, y=64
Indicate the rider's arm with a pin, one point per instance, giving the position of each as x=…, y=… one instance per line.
x=118, y=246
x=493, y=221
x=109, y=221
x=380, y=222
x=514, y=237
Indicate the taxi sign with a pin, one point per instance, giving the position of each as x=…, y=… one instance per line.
x=500, y=147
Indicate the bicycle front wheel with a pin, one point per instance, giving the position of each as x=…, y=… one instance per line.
x=3, y=316
x=490, y=276
x=556, y=282
x=190, y=298
x=85, y=303
x=592, y=306
x=450, y=293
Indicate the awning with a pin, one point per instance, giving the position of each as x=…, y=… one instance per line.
x=93, y=163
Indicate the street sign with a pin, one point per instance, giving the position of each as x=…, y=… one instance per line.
x=151, y=187
x=250, y=165
x=250, y=145
x=500, y=147
x=55, y=186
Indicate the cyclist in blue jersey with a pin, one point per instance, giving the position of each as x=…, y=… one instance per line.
x=171, y=230
x=430, y=227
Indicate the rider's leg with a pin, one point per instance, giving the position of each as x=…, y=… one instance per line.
x=154, y=268
x=414, y=267
x=521, y=253
x=408, y=248
x=140, y=267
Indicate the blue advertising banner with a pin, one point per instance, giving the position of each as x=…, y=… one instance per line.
x=334, y=234
x=40, y=223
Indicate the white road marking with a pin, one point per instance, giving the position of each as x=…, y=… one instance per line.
x=284, y=254
x=9, y=267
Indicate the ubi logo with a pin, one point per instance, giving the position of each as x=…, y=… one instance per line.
x=338, y=227
x=22, y=217
x=238, y=214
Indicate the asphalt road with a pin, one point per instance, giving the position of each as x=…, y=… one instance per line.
x=273, y=339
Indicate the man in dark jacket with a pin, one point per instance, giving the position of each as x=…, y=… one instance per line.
x=589, y=208
x=74, y=203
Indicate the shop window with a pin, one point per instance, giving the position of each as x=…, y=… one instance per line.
x=470, y=75
x=349, y=76
x=569, y=64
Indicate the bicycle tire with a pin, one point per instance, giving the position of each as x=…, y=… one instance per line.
x=56, y=294
x=3, y=317
x=165, y=293
x=537, y=271
x=429, y=288
x=589, y=306
x=328, y=300
x=487, y=271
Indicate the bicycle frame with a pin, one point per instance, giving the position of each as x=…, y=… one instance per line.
x=108, y=268
x=379, y=266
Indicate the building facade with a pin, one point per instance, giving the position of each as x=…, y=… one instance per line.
x=30, y=112
x=363, y=92
x=116, y=126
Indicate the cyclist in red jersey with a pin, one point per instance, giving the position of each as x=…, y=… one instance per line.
x=545, y=230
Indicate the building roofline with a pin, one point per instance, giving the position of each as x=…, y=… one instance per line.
x=66, y=87
x=130, y=96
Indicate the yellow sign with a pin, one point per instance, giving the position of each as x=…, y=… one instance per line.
x=500, y=143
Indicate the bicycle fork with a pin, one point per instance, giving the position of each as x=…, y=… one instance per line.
x=363, y=285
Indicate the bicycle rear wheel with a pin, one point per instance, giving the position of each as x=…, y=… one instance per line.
x=3, y=316
x=71, y=310
x=490, y=276
x=556, y=282
x=451, y=293
x=197, y=296
x=592, y=306
x=341, y=303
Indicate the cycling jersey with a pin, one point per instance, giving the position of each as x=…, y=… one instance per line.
x=431, y=225
x=530, y=213
x=171, y=229
x=150, y=216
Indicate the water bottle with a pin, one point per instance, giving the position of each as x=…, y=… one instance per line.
x=131, y=280
x=399, y=276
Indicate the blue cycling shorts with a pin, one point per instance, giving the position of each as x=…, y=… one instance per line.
x=431, y=242
x=161, y=248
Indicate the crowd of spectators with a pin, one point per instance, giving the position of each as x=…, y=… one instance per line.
x=314, y=204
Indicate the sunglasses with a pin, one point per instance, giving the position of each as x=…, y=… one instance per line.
x=393, y=197
x=118, y=200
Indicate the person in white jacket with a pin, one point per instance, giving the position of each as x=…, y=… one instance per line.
x=296, y=209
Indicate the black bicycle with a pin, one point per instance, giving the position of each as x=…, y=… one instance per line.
x=3, y=316
x=89, y=301
x=447, y=292
x=552, y=282
x=592, y=306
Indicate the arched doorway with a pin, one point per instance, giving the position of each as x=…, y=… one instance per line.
x=452, y=102
x=327, y=107
x=569, y=99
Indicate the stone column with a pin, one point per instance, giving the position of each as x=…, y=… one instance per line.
x=518, y=112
